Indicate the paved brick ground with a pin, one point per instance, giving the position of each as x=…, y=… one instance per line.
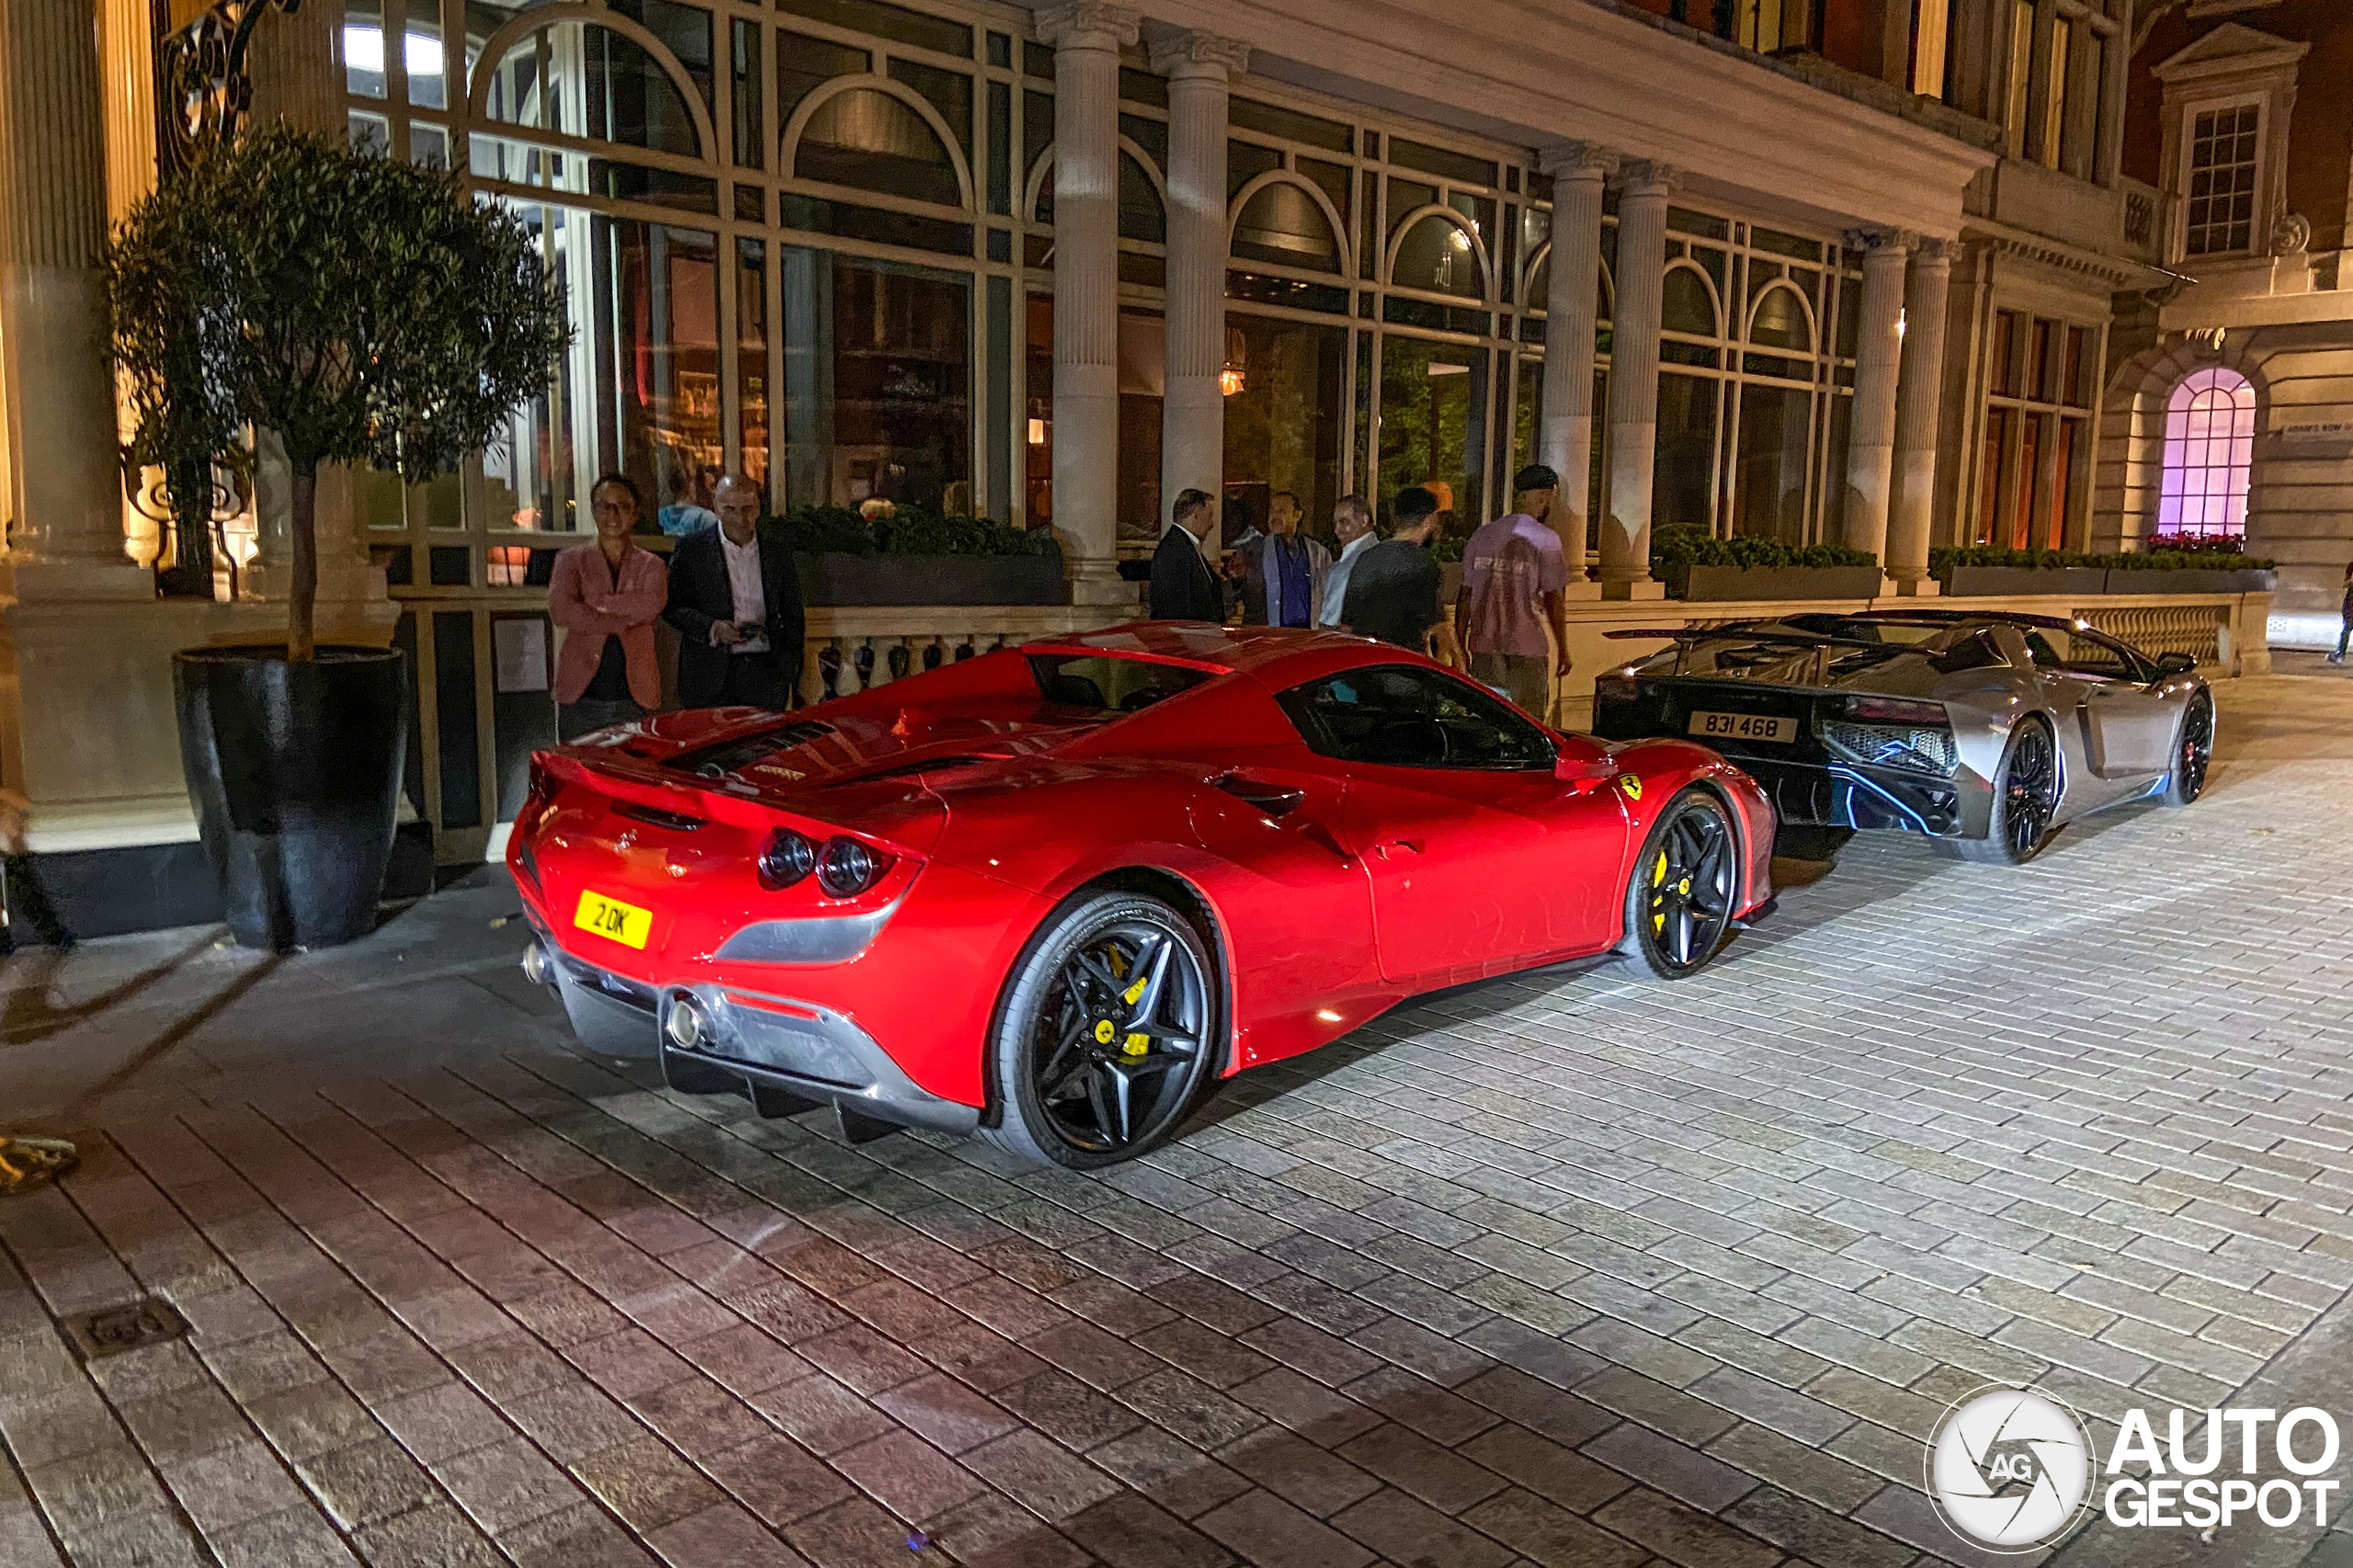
x=1562, y=1272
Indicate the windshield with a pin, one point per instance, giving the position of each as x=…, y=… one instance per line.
x=1096, y=683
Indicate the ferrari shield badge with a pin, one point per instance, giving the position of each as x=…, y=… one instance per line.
x=1632, y=785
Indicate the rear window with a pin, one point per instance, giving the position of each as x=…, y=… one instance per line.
x=1097, y=684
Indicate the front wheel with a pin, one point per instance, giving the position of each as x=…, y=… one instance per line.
x=1109, y=1031
x=2195, y=754
x=2026, y=797
x=1679, y=899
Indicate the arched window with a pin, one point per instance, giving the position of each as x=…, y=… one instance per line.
x=1283, y=224
x=577, y=79
x=1436, y=255
x=1687, y=304
x=1141, y=214
x=865, y=137
x=2210, y=449
x=1779, y=321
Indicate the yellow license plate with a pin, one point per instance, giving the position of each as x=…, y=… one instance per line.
x=613, y=920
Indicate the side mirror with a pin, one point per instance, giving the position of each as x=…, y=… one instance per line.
x=1583, y=772
x=2175, y=664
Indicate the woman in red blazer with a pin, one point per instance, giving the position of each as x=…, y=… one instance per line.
x=607, y=596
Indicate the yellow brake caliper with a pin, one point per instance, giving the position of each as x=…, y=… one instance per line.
x=1135, y=1044
x=1659, y=894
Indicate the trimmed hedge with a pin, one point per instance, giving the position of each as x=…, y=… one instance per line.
x=1680, y=547
x=910, y=530
x=1942, y=560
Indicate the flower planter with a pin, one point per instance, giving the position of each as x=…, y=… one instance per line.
x=295, y=773
x=2192, y=580
x=1720, y=583
x=1961, y=581
x=837, y=580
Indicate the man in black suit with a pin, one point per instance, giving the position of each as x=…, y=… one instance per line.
x=1183, y=587
x=735, y=602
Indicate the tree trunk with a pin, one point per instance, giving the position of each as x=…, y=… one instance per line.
x=303, y=600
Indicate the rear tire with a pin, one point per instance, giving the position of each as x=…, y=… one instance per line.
x=1113, y=1022
x=2194, y=753
x=1680, y=894
x=2026, y=795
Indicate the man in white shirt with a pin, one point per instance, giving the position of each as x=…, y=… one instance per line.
x=1352, y=525
x=735, y=602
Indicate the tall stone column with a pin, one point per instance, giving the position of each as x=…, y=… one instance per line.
x=1634, y=381
x=1192, y=408
x=1879, y=349
x=1564, y=440
x=1086, y=36
x=1917, y=411
x=127, y=78
x=64, y=486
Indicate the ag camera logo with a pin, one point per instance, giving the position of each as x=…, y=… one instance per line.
x=2009, y=1469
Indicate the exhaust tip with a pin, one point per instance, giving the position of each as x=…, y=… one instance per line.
x=538, y=968
x=683, y=1025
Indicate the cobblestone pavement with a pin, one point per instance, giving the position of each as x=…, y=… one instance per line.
x=1567, y=1270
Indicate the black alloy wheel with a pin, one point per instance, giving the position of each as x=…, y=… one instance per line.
x=1679, y=899
x=2026, y=797
x=2195, y=755
x=1107, y=1034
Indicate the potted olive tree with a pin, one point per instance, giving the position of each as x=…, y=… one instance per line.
x=366, y=311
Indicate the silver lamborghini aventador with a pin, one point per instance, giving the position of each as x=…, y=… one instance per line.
x=1987, y=730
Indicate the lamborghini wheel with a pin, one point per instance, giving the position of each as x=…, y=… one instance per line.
x=2026, y=797
x=2195, y=754
x=1109, y=1031
x=1679, y=899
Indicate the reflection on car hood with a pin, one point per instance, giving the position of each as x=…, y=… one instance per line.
x=1882, y=672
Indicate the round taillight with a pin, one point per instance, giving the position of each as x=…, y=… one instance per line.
x=848, y=868
x=786, y=858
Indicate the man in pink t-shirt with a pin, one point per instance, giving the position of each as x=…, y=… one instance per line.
x=1509, y=568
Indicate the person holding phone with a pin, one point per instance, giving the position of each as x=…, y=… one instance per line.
x=735, y=602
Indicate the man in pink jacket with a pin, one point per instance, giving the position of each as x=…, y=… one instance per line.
x=607, y=596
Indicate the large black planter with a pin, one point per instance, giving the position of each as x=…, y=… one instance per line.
x=1730, y=582
x=836, y=579
x=1962, y=581
x=2192, y=580
x=295, y=772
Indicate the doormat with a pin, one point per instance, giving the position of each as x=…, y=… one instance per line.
x=117, y=1329
x=28, y=1163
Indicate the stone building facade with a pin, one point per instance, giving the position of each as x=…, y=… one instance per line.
x=1810, y=269
x=2230, y=405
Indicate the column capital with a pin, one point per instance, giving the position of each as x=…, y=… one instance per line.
x=1192, y=52
x=1648, y=177
x=1576, y=159
x=1931, y=252
x=1088, y=24
x=1897, y=242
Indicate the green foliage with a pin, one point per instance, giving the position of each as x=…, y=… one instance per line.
x=367, y=310
x=1941, y=561
x=910, y=530
x=1689, y=547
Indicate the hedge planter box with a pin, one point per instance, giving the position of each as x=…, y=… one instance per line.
x=2016, y=580
x=1718, y=583
x=931, y=579
x=2192, y=580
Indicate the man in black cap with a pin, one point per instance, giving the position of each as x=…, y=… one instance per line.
x=1394, y=591
x=1510, y=568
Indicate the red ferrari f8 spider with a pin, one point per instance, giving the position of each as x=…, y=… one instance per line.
x=1049, y=895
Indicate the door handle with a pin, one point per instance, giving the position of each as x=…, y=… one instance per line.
x=1409, y=845
x=1275, y=800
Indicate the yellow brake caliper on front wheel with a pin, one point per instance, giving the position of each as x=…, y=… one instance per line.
x=1659, y=894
